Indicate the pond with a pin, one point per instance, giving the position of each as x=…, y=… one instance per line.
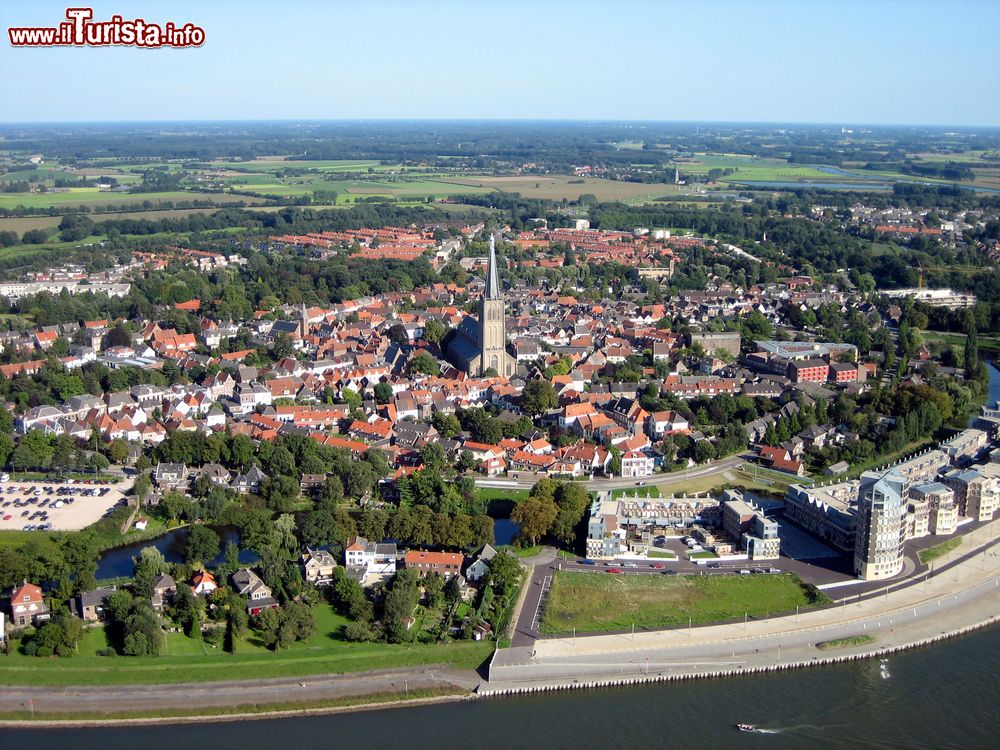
x=117, y=562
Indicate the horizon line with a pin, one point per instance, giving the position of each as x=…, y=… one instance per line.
x=509, y=120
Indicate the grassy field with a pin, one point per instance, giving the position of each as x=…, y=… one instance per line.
x=94, y=197
x=986, y=343
x=596, y=602
x=188, y=660
x=502, y=493
x=764, y=482
x=558, y=187
x=939, y=550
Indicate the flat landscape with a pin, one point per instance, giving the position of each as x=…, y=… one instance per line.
x=603, y=602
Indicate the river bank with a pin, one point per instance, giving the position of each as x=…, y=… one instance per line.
x=961, y=597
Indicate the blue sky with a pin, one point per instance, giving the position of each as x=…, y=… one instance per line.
x=880, y=61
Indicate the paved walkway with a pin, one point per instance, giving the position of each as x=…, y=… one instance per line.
x=542, y=567
x=958, y=595
x=150, y=698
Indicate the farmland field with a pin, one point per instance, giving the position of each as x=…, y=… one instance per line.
x=600, y=602
x=94, y=197
x=556, y=187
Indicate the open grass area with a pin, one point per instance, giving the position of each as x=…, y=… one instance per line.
x=189, y=660
x=939, y=550
x=851, y=640
x=596, y=602
x=502, y=493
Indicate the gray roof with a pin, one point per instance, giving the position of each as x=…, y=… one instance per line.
x=492, y=278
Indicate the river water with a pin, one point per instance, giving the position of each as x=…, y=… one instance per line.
x=945, y=696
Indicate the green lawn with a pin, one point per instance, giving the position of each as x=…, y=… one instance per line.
x=188, y=660
x=703, y=555
x=502, y=493
x=851, y=640
x=596, y=602
x=650, y=491
x=939, y=550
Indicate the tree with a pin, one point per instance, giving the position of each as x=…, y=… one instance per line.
x=435, y=331
x=399, y=605
x=433, y=457
x=573, y=500
x=359, y=631
x=505, y=572
x=538, y=397
x=424, y=363
x=202, y=545
x=534, y=516
x=971, y=345
x=281, y=492
x=383, y=393
x=397, y=334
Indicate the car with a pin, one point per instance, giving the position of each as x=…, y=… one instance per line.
x=714, y=565
x=614, y=570
x=587, y=562
x=7, y=517
x=774, y=570
x=657, y=566
x=629, y=565
x=669, y=573
x=744, y=572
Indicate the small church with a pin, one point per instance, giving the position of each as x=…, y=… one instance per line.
x=480, y=346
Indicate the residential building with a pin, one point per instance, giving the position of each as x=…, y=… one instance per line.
x=446, y=564
x=27, y=606
x=317, y=566
x=881, y=528
x=259, y=596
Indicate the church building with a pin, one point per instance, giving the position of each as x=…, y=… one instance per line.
x=481, y=345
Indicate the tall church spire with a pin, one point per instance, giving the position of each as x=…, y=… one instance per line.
x=492, y=275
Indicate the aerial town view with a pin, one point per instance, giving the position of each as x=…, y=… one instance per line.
x=504, y=374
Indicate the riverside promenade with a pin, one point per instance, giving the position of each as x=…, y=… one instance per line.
x=958, y=596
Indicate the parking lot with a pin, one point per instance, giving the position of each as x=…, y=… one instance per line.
x=68, y=505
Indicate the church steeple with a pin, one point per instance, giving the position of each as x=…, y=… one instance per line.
x=492, y=275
